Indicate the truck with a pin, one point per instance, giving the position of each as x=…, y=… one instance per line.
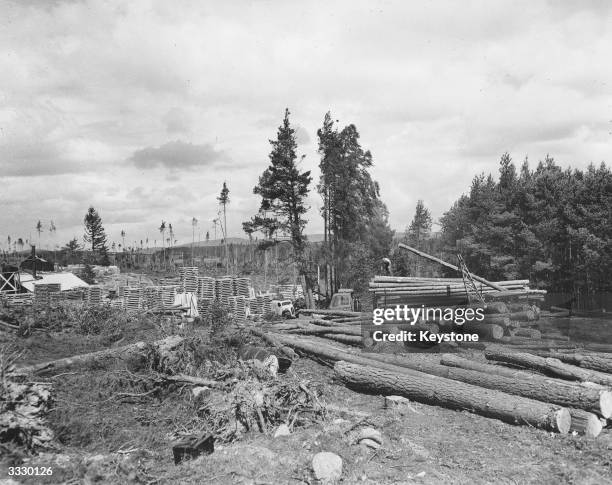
x=283, y=308
x=344, y=300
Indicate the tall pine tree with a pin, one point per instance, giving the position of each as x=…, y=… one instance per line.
x=283, y=190
x=95, y=235
x=353, y=214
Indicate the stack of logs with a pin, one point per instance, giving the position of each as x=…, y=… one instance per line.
x=562, y=391
x=391, y=290
x=513, y=323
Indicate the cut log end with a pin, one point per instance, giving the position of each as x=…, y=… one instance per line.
x=605, y=404
x=563, y=420
x=585, y=423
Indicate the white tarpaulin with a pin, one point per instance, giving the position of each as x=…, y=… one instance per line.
x=68, y=281
x=189, y=301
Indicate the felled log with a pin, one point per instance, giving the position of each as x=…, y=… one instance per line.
x=555, y=336
x=518, y=307
x=340, y=313
x=455, y=395
x=163, y=347
x=345, y=339
x=9, y=327
x=531, y=333
x=527, y=316
x=484, y=330
x=453, y=360
x=589, y=397
x=540, y=388
x=547, y=365
x=495, y=307
x=196, y=381
x=314, y=330
x=559, y=312
x=527, y=343
x=592, y=362
x=501, y=320
x=324, y=323
x=318, y=349
x=283, y=326
x=352, y=320
x=585, y=423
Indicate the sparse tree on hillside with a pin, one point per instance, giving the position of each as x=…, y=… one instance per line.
x=123, y=237
x=224, y=200
x=162, y=230
x=39, y=229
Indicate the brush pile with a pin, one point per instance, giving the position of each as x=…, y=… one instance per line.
x=23, y=405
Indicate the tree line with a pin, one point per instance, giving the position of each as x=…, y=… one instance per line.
x=548, y=224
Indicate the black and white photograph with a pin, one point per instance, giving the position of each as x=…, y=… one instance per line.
x=266, y=242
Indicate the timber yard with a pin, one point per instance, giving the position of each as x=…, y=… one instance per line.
x=189, y=375
x=305, y=243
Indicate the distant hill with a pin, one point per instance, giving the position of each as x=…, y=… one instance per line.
x=238, y=240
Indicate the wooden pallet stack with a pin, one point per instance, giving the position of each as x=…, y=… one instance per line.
x=189, y=278
x=224, y=288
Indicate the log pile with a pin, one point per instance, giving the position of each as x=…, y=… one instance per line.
x=393, y=290
x=515, y=387
x=512, y=323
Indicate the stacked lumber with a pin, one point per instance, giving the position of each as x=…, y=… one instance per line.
x=391, y=290
x=542, y=392
x=17, y=299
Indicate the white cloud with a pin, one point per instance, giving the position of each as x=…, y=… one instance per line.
x=437, y=90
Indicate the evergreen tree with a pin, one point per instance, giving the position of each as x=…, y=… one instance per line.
x=417, y=235
x=550, y=225
x=283, y=190
x=420, y=227
x=224, y=200
x=95, y=235
x=352, y=212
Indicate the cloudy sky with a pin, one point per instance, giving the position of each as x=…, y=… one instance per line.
x=142, y=109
